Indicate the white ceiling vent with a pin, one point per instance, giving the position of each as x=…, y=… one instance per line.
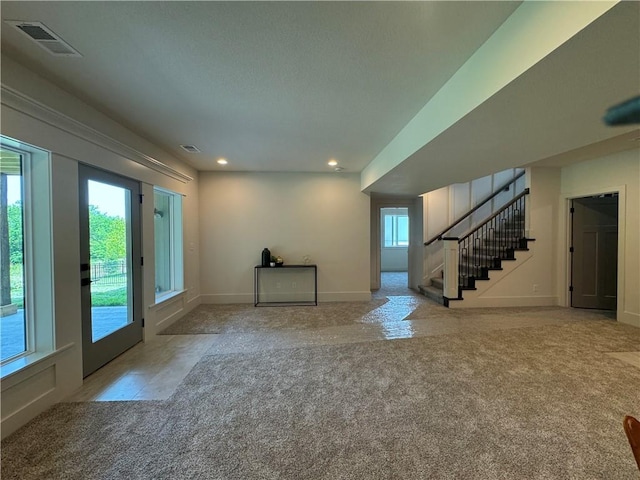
x=45, y=37
x=190, y=148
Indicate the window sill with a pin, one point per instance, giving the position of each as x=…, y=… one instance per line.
x=15, y=366
x=165, y=297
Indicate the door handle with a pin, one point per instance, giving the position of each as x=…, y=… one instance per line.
x=84, y=282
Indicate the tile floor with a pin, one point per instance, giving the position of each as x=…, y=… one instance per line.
x=153, y=370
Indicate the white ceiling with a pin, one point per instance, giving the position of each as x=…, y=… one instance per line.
x=271, y=86
x=550, y=116
x=285, y=86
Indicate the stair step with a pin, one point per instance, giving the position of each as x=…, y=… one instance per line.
x=432, y=293
x=437, y=283
x=506, y=242
x=470, y=269
x=490, y=251
x=477, y=257
x=508, y=232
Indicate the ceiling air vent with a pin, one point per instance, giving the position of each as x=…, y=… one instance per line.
x=190, y=148
x=45, y=37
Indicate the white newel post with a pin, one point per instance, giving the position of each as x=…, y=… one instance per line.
x=450, y=267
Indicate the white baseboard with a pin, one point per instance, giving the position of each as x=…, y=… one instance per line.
x=170, y=319
x=483, y=302
x=227, y=298
x=344, y=296
x=629, y=318
x=193, y=303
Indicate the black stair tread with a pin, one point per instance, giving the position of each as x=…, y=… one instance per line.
x=471, y=269
x=480, y=256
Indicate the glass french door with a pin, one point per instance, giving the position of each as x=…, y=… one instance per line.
x=110, y=266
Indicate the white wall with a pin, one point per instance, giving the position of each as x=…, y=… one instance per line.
x=620, y=173
x=324, y=216
x=394, y=259
x=37, y=113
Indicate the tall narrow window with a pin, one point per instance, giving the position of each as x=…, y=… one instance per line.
x=12, y=256
x=168, y=241
x=26, y=263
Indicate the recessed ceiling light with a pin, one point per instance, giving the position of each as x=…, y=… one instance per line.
x=332, y=163
x=222, y=161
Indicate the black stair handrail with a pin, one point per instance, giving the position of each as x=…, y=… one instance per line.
x=488, y=220
x=491, y=243
x=503, y=188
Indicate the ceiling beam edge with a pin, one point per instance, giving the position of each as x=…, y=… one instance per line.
x=531, y=33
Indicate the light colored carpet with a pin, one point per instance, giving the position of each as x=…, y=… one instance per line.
x=528, y=403
x=242, y=318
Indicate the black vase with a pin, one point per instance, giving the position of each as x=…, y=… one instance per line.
x=266, y=257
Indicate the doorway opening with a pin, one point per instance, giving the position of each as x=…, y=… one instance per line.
x=594, y=252
x=394, y=250
x=412, y=274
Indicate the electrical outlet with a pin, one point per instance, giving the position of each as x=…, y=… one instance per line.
x=294, y=285
x=277, y=284
x=535, y=287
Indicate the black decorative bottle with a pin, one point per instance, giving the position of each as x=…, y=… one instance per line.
x=266, y=257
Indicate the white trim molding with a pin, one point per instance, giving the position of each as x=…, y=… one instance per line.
x=19, y=102
x=623, y=315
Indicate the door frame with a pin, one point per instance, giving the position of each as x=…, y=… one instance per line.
x=415, y=264
x=606, y=211
x=564, y=257
x=132, y=333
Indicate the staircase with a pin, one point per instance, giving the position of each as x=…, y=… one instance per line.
x=484, y=250
x=435, y=291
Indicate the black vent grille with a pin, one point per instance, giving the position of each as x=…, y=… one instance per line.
x=36, y=32
x=45, y=38
x=190, y=148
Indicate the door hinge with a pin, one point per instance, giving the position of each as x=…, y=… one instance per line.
x=570, y=249
x=141, y=196
x=571, y=288
x=142, y=322
x=572, y=210
x=142, y=261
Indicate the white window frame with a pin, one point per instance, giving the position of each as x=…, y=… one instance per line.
x=394, y=230
x=37, y=254
x=176, y=256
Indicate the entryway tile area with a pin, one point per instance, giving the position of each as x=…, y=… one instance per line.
x=148, y=371
x=632, y=358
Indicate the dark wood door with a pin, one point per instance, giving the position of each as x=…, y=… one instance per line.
x=594, y=266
